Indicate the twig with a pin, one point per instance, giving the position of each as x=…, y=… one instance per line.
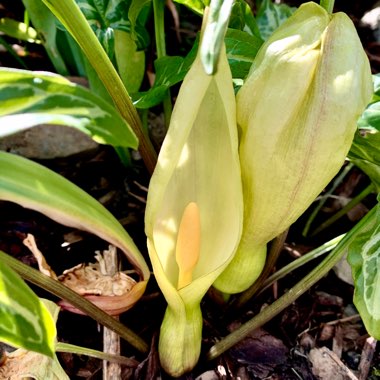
x=111, y=340
x=366, y=358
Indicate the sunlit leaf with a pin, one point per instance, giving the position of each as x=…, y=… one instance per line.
x=18, y=30
x=196, y=6
x=32, y=98
x=25, y=321
x=241, y=51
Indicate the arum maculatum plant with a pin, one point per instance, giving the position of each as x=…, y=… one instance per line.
x=194, y=212
x=297, y=113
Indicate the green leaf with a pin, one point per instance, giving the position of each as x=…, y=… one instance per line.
x=25, y=321
x=376, y=86
x=241, y=51
x=46, y=25
x=169, y=71
x=365, y=154
x=242, y=18
x=370, y=118
x=18, y=30
x=130, y=62
x=137, y=15
x=196, y=6
x=364, y=258
x=270, y=16
x=33, y=186
x=106, y=16
x=31, y=98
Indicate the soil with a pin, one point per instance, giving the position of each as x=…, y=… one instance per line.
x=281, y=349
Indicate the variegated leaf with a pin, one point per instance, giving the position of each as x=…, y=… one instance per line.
x=364, y=258
x=32, y=98
x=25, y=321
x=106, y=16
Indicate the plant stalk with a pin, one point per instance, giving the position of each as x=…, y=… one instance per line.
x=349, y=206
x=159, y=29
x=73, y=349
x=328, y=5
x=55, y=287
x=324, y=198
x=315, y=253
x=295, y=292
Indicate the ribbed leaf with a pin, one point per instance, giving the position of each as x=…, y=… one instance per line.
x=25, y=321
x=32, y=98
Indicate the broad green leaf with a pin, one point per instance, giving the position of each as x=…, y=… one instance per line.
x=169, y=71
x=241, y=51
x=364, y=258
x=365, y=153
x=32, y=98
x=18, y=30
x=130, y=62
x=25, y=321
x=270, y=16
x=196, y=6
x=33, y=186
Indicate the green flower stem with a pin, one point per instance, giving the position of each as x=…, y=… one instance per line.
x=74, y=21
x=159, y=29
x=65, y=347
x=349, y=206
x=55, y=287
x=288, y=298
x=284, y=271
x=328, y=5
x=273, y=254
x=324, y=198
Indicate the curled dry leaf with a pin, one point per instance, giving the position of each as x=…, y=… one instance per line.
x=111, y=293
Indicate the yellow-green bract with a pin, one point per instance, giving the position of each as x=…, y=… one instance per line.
x=194, y=207
x=297, y=115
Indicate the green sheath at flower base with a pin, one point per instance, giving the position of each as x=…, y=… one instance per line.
x=194, y=213
x=297, y=115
